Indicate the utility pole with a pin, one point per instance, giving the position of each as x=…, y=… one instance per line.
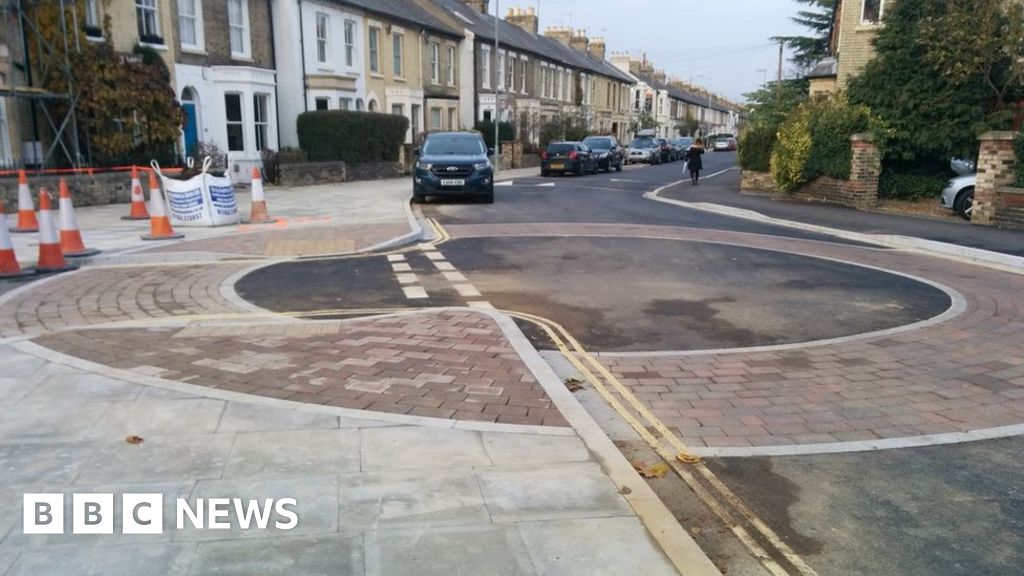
x=778, y=78
x=497, y=90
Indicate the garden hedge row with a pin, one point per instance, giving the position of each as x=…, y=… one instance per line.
x=329, y=135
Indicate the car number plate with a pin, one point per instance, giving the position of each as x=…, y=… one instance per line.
x=558, y=166
x=447, y=182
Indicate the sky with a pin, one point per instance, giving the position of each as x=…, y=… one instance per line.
x=724, y=45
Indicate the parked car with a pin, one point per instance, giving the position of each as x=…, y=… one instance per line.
x=453, y=164
x=608, y=151
x=667, y=153
x=725, y=144
x=958, y=195
x=683, y=143
x=644, y=149
x=567, y=158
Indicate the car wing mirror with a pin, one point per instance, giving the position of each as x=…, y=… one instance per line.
x=490, y=151
x=416, y=152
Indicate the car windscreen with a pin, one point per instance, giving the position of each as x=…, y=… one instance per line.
x=454, y=145
x=599, y=143
x=644, y=143
x=561, y=148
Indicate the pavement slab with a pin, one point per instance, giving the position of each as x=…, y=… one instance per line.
x=328, y=555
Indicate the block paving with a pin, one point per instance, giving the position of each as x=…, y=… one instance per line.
x=452, y=364
x=965, y=373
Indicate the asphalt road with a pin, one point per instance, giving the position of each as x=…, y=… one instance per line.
x=946, y=510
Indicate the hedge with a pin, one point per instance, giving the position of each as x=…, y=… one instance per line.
x=756, y=145
x=833, y=122
x=506, y=132
x=1018, y=148
x=903, y=186
x=328, y=135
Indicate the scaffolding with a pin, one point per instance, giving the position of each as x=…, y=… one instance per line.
x=51, y=58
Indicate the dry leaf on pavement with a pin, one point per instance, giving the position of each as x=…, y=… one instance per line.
x=657, y=470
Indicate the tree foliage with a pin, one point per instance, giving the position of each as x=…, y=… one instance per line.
x=687, y=126
x=125, y=103
x=642, y=120
x=978, y=39
x=818, y=21
x=769, y=107
x=930, y=117
x=565, y=127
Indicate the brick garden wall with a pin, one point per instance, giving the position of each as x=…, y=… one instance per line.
x=753, y=181
x=97, y=190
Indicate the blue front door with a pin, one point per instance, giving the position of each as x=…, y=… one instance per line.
x=191, y=129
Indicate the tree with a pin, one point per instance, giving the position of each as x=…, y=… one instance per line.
x=930, y=118
x=642, y=120
x=769, y=107
x=978, y=39
x=818, y=20
x=687, y=126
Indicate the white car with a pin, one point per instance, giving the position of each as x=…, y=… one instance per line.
x=958, y=195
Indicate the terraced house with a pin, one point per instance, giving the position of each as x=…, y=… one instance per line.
x=854, y=28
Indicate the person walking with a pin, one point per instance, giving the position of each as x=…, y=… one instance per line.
x=695, y=161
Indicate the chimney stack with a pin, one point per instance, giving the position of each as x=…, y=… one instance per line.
x=525, y=19
x=659, y=76
x=597, y=48
x=562, y=34
x=580, y=42
x=479, y=5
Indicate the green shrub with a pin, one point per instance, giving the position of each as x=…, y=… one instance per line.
x=905, y=186
x=328, y=135
x=793, y=149
x=1018, y=147
x=506, y=131
x=756, y=147
x=833, y=121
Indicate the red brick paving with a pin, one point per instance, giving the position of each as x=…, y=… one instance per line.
x=453, y=365
x=281, y=241
x=966, y=373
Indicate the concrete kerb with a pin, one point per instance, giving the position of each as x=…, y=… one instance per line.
x=676, y=543
x=1004, y=262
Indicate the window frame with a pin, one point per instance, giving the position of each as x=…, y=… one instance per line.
x=863, y=10
x=450, y=53
x=350, y=42
x=199, y=44
x=154, y=37
x=373, y=37
x=243, y=27
x=398, y=54
x=440, y=119
x=318, y=99
x=524, y=69
x=435, y=63
x=240, y=123
x=261, y=125
x=485, y=67
x=322, y=44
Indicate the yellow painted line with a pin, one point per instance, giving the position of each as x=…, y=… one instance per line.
x=681, y=454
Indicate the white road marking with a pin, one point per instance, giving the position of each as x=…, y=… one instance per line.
x=396, y=258
x=454, y=276
x=546, y=185
x=426, y=247
x=406, y=278
x=466, y=290
x=435, y=256
x=505, y=183
x=444, y=266
x=480, y=304
x=414, y=292
x=623, y=180
x=401, y=267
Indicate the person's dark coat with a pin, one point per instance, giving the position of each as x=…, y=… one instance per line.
x=694, y=158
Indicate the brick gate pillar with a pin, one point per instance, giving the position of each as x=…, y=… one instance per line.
x=865, y=169
x=997, y=165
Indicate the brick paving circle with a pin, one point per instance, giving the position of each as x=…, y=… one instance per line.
x=965, y=373
x=452, y=365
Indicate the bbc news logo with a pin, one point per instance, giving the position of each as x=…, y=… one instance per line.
x=144, y=513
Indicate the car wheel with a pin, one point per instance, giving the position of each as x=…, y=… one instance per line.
x=419, y=198
x=487, y=198
x=579, y=170
x=545, y=174
x=964, y=203
x=618, y=167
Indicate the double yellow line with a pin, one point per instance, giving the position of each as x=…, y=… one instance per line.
x=709, y=488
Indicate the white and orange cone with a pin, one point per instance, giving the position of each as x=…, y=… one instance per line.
x=159, y=224
x=51, y=258
x=9, y=267
x=137, y=211
x=27, y=221
x=258, y=213
x=70, y=236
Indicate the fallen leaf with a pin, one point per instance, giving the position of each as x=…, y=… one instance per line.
x=625, y=490
x=133, y=439
x=657, y=470
x=573, y=384
x=695, y=530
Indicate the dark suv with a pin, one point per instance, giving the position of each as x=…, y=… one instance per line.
x=608, y=152
x=453, y=164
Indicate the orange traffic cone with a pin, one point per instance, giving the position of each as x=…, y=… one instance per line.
x=70, y=236
x=258, y=213
x=27, y=221
x=159, y=224
x=9, y=267
x=51, y=258
x=138, y=205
